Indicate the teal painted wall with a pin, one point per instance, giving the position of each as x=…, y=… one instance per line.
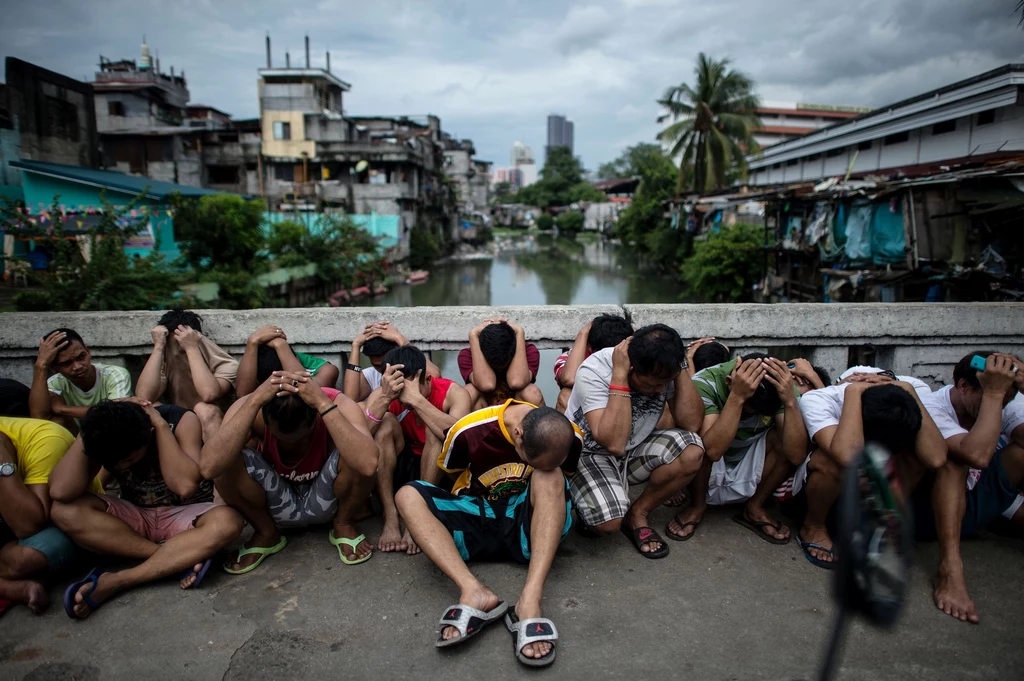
x=386, y=227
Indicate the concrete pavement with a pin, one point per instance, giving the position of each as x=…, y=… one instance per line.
x=724, y=605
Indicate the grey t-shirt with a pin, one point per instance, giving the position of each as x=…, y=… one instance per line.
x=590, y=392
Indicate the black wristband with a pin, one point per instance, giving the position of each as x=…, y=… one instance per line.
x=328, y=410
x=353, y=367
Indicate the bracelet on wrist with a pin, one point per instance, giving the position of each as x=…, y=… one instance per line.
x=372, y=417
x=623, y=388
x=328, y=410
x=353, y=367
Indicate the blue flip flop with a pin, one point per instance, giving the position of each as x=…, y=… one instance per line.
x=69, y=594
x=817, y=562
x=199, y=575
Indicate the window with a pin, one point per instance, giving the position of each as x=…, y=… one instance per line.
x=792, y=162
x=832, y=153
x=223, y=174
x=115, y=108
x=61, y=119
x=282, y=130
x=896, y=138
x=776, y=166
x=814, y=157
x=987, y=117
x=864, y=146
x=284, y=172
x=944, y=127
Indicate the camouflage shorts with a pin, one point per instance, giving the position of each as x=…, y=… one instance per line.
x=295, y=504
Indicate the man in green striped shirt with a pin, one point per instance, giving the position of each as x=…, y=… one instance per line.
x=267, y=350
x=753, y=436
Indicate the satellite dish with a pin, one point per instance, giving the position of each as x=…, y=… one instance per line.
x=361, y=166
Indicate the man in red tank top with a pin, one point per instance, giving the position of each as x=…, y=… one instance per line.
x=417, y=410
x=314, y=463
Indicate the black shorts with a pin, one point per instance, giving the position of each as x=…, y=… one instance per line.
x=487, y=529
x=407, y=468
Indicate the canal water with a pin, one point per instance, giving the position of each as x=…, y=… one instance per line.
x=540, y=271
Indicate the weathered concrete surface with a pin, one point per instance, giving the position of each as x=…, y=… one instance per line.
x=922, y=339
x=724, y=605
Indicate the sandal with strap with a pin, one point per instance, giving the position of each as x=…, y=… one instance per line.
x=69, y=594
x=352, y=544
x=199, y=575
x=468, y=621
x=758, y=528
x=645, y=535
x=813, y=560
x=262, y=551
x=533, y=630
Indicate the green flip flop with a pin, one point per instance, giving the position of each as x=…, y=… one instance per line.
x=352, y=544
x=262, y=551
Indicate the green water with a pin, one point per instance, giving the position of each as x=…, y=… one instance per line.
x=543, y=272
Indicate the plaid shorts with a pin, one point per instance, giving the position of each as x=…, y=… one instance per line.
x=600, y=489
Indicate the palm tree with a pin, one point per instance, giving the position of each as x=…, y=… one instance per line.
x=713, y=124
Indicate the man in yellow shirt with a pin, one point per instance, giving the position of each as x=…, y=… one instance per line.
x=30, y=547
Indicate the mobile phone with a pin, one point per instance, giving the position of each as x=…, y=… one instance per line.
x=978, y=362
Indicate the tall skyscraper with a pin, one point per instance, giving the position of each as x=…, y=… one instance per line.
x=520, y=154
x=560, y=133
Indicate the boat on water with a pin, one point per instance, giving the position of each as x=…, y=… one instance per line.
x=417, y=276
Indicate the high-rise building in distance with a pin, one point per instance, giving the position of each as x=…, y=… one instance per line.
x=560, y=133
x=520, y=154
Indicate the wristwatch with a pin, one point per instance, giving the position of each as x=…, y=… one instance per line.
x=7, y=470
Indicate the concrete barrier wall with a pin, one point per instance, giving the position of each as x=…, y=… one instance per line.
x=921, y=339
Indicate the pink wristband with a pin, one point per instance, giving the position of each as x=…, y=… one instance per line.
x=372, y=417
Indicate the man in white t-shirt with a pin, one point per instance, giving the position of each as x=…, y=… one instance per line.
x=639, y=414
x=887, y=411
x=981, y=416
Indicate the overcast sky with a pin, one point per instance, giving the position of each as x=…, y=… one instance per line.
x=493, y=69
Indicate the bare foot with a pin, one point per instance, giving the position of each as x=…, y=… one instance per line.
x=528, y=608
x=190, y=579
x=343, y=531
x=685, y=524
x=951, y=595
x=31, y=593
x=758, y=515
x=105, y=588
x=411, y=548
x=817, y=535
x=480, y=598
x=257, y=540
x=390, y=537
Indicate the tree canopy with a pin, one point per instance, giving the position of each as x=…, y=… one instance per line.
x=561, y=183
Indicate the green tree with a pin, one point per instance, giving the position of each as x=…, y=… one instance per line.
x=109, y=279
x=285, y=243
x=222, y=231
x=713, y=124
x=725, y=266
x=561, y=183
x=502, y=191
x=570, y=222
x=423, y=248
x=639, y=160
x=343, y=252
x=545, y=222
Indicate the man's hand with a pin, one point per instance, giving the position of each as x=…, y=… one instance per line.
x=777, y=373
x=410, y=390
x=385, y=330
x=998, y=375
x=49, y=347
x=159, y=334
x=485, y=323
x=276, y=385
x=803, y=372
x=871, y=379
x=306, y=388
x=187, y=337
x=745, y=378
x=392, y=383
x=620, y=357
x=154, y=416
x=265, y=334
x=691, y=348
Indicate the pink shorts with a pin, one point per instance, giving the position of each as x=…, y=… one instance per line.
x=157, y=524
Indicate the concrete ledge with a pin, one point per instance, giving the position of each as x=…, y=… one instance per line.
x=924, y=339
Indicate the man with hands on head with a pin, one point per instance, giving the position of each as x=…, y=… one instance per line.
x=376, y=340
x=499, y=364
x=753, y=437
x=603, y=331
x=76, y=383
x=422, y=409
x=268, y=347
x=188, y=369
x=313, y=462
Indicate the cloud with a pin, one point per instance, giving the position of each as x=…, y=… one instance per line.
x=493, y=71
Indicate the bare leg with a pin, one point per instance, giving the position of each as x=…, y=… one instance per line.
x=476, y=398
x=547, y=500
x=210, y=417
x=531, y=394
x=247, y=497
x=89, y=525
x=389, y=441
x=437, y=543
x=563, y=399
x=822, y=491
x=698, y=502
x=351, y=490
x=213, y=531
x=776, y=470
x=664, y=482
x=949, y=503
x=18, y=566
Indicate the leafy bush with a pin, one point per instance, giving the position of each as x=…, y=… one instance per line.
x=570, y=222
x=423, y=248
x=239, y=290
x=545, y=222
x=285, y=243
x=222, y=231
x=725, y=266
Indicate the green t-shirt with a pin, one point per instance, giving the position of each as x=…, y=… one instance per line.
x=310, y=363
x=112, y=383
x=714, y=391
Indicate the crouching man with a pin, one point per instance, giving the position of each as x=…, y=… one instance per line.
x=166, y=517
x=511, y=500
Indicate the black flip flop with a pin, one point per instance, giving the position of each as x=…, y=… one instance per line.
x=645, y=535
x=682, y=526
x=758, y=528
